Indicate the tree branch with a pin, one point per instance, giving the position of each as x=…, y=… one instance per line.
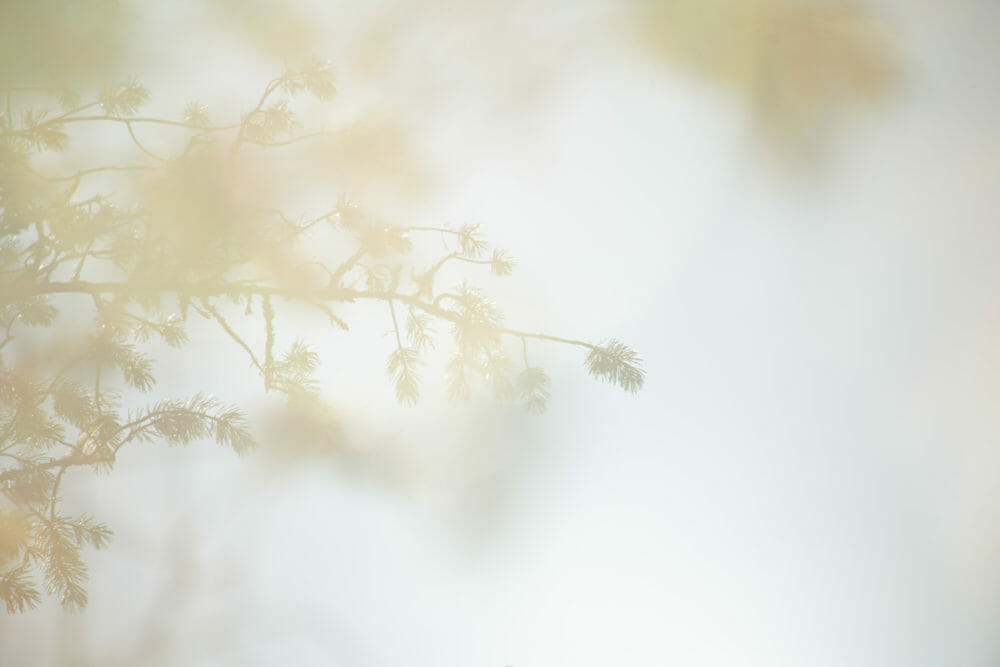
x=307, y=294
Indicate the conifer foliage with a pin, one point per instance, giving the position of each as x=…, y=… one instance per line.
x=100, y=263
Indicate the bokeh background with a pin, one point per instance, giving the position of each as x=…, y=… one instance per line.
x=789, y=207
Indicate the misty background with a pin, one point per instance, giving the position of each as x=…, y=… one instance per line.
x=787, y=207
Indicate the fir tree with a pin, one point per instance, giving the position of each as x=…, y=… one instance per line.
x=143, y=246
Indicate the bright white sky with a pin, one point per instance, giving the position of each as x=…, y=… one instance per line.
x=809, y=478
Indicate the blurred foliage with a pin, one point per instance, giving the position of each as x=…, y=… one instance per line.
x=60, y=43
x=796, y=63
